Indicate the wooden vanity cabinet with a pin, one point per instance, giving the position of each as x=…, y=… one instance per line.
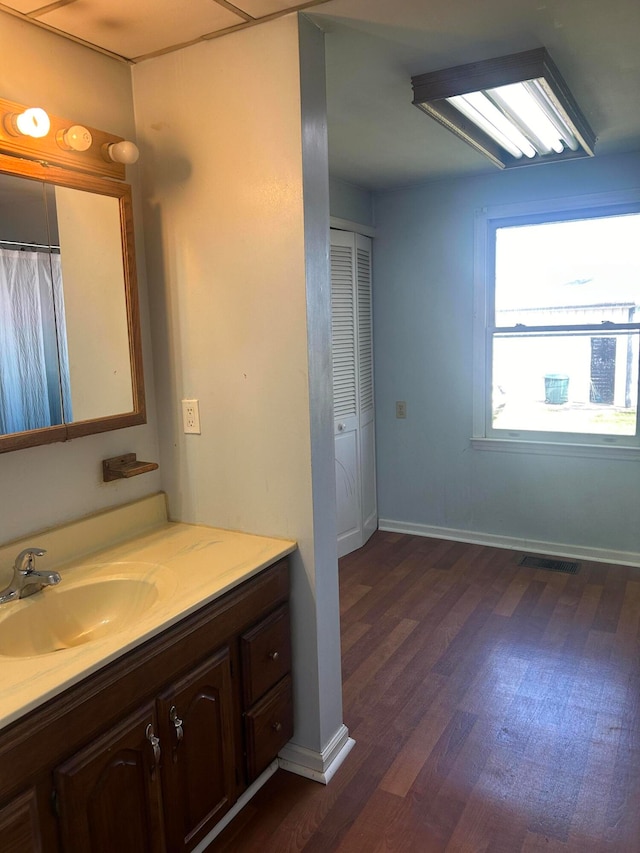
x=151, y=751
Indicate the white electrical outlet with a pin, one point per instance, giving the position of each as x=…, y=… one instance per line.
x=401, y=409
x=191, y=416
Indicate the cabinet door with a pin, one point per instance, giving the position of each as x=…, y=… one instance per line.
x=198, y=773
x=19, y=831
x=109, y=793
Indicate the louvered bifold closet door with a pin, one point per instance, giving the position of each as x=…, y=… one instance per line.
x=345, y=390
x=369, y=506
x=343, y=319
x=353, y=388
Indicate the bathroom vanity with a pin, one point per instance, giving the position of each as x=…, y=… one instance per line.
x=144, y=736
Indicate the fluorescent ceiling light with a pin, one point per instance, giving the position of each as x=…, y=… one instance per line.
x=515, y=109
x=483, y=112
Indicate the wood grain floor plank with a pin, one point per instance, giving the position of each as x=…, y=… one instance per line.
x=402, y=774
x=445, y=801
x=351, y=595
x=628, y=627
x=418, y=654
x=492, y=819
x=496, y=709
x=353, y=634
x=496, y=680
x=373, y=822
x=376, y=660
x=608, y=614
x=535, y=843
x=512, y=596
x=402, y=716
x=346, y=808
x=378, y=598
x=589, y=828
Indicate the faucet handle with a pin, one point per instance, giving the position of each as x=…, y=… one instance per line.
x=26, y=560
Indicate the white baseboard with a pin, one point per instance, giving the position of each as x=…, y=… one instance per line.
x=552, y=549
x=240, y=803
x=319, y=766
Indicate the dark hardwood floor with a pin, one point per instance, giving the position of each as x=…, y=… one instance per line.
x=494, y=707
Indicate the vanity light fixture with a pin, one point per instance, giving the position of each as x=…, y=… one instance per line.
x=121, y=152
x=57, y=141
x=516, y=110
x=32, y=122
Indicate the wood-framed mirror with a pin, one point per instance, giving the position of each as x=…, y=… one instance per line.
x=70, y=345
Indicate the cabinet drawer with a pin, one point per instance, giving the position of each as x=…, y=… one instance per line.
x=268, y=726
x=266, y=655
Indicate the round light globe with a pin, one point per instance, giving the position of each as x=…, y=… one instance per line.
x=123, y=152
x=77, y=138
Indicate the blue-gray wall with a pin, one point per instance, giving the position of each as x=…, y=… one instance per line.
x=347, y=201
x=429, y=477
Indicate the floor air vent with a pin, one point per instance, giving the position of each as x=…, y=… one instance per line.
x=565, y=566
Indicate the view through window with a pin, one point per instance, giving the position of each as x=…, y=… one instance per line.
x=564, y=343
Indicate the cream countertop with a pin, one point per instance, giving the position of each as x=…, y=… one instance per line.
x=189, y=565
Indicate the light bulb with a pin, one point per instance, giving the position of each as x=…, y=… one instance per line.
x=32, y=122
x=75, y=138
x=523, y=105
x=121, y=152
x=493, y=115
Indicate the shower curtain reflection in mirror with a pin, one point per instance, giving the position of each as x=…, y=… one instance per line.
x=34, y=369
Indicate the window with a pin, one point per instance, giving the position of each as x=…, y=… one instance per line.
x=557, y=324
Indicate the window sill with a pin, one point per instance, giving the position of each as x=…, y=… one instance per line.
x=556, y=448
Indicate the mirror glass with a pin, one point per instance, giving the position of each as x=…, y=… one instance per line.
x=69, y=334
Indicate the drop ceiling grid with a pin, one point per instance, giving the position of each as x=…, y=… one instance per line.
x=262, y=8
x=136, y=30
x=24, y=6
x=133, y=29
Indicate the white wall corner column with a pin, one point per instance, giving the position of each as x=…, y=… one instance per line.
x=319, y=746
x=237, y=234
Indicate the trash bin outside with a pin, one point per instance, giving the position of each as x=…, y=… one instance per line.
x=556, y=388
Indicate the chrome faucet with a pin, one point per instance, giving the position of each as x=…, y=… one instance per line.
x=26, y=580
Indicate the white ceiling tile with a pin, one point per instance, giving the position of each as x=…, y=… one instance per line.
x=24, y=6
x=143, y=26
x=260, y=8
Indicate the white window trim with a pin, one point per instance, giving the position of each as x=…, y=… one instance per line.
x=621, y=447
